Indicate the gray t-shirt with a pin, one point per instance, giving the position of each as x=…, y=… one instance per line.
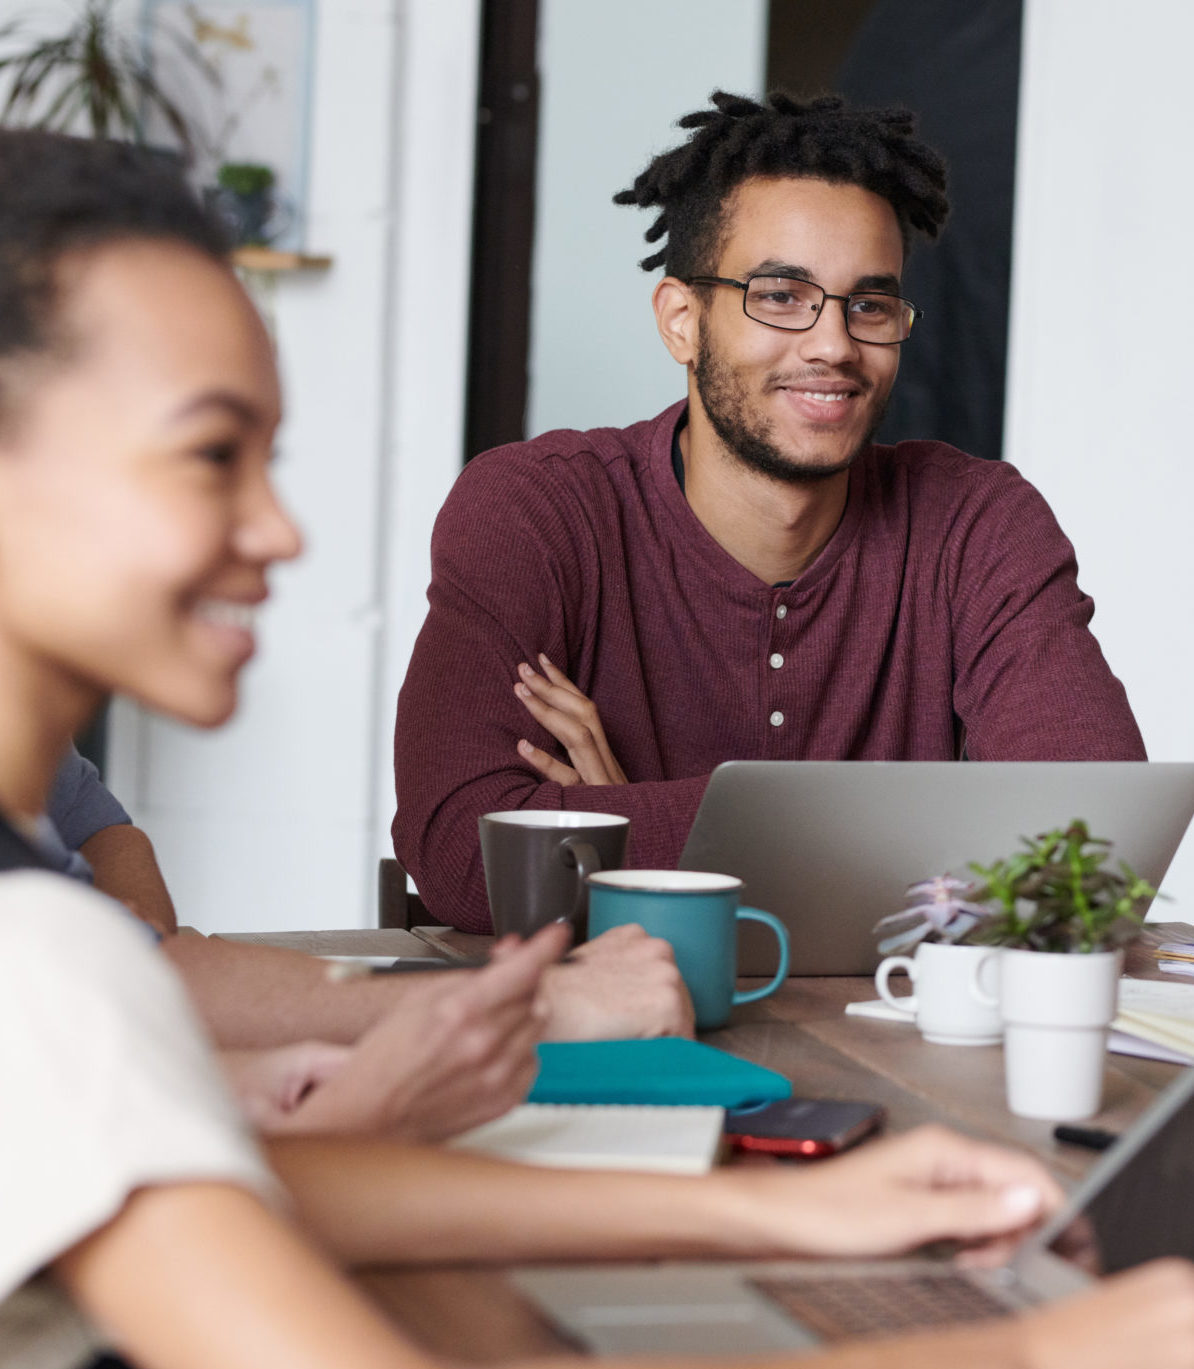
x=79, y=806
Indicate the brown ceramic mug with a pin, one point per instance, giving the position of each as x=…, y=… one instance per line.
x=537, y=861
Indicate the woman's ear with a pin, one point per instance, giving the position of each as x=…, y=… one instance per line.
x=677, y=316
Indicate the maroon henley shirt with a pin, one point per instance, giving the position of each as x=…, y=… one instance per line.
x=945, y=604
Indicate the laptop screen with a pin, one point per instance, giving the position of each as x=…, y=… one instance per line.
x=1144, y=1209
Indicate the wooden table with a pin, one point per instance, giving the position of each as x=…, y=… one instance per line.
x=803, y=1033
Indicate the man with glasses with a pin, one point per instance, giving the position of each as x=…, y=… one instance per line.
x=747, y=575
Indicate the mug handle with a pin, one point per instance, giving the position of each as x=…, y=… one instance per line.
x=781, y=935
x=886, y=969
x=586, y=861
x=977, y=992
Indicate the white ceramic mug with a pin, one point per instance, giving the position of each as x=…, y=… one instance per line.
x=944, y=1006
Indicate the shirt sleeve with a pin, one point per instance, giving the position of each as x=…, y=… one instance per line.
x=79, y=805
x=512, y=555
x=107, y=1081
x=1031, y=682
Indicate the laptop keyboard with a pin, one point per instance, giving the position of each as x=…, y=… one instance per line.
x=835, y=1308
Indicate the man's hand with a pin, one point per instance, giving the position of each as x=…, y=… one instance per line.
x=457, y=1050
x=269, y=1084
x=558, y=706
x=623, y=983
x=893, y=1196
x=1142, y=1317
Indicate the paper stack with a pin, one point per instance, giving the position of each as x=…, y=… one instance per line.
x=1155, y=1020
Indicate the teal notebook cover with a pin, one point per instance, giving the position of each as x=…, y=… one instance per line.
x=665, y=1070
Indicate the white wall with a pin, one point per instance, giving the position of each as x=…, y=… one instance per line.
x=278, y=820
x=615, y=77
x=1102, y=336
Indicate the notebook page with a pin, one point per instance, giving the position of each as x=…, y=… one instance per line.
x=673, y=1140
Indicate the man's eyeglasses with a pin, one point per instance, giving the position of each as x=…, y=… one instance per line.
x=795, y=305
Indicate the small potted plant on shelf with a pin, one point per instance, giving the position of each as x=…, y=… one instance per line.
x=243, y=196
x=941, y=914
x=1060, y=919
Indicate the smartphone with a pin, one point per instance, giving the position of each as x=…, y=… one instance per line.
x=805, y=1127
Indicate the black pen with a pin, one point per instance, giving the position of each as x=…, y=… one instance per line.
x=1093, y=1138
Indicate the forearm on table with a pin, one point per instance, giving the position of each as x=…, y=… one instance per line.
x=374, y=1201
x=257, y=996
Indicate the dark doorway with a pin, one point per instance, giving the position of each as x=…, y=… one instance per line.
x=503, y=225
x=958, y=67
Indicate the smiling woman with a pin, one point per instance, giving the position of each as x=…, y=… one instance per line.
x=171, y=389
x=138, y=401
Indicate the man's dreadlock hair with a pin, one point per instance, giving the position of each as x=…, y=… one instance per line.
x=740, y=138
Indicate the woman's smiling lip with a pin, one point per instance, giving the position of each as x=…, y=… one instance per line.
x=232, y=623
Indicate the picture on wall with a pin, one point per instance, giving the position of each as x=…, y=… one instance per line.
x=248, y=95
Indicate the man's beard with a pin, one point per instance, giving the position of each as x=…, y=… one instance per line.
x=727, y=406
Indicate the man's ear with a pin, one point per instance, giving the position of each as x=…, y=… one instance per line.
x=677, y=316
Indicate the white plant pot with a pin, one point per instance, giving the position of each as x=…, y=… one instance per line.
x=1056, y=1009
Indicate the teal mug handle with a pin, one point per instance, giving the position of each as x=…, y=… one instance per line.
x=781, y=935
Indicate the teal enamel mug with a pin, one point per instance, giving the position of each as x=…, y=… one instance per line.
x=699, y=915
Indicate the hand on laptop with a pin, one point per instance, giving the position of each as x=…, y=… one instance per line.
x=572, y=719
x=623, y=983
x=1142, y=1317
x=456, y=1051
x=892, y=1196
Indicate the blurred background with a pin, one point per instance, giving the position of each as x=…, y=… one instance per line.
x=423, y=188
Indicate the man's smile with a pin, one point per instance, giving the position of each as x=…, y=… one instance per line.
x=821, y=400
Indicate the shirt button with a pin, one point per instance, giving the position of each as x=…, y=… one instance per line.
x=775, y=660
x=777, y=719
x=781, y=610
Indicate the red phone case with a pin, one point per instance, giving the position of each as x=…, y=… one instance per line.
x=815, y=1129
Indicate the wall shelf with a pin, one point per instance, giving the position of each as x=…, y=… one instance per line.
x=266, y=259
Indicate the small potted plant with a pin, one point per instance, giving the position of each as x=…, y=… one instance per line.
x=1060, y=918
x=941, y=914
x=243, y=196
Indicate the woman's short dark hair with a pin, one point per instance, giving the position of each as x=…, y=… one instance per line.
x=60, y=195
x=740, y=138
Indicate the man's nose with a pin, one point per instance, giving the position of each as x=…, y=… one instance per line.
x=827, y=340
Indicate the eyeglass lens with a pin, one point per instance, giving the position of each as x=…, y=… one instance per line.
x=787, y=303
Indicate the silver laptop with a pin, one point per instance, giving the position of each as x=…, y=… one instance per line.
x=1135, y=1205
x=830, y=846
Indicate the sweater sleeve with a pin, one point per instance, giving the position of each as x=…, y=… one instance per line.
x=513, y=559
x=1031, y=682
